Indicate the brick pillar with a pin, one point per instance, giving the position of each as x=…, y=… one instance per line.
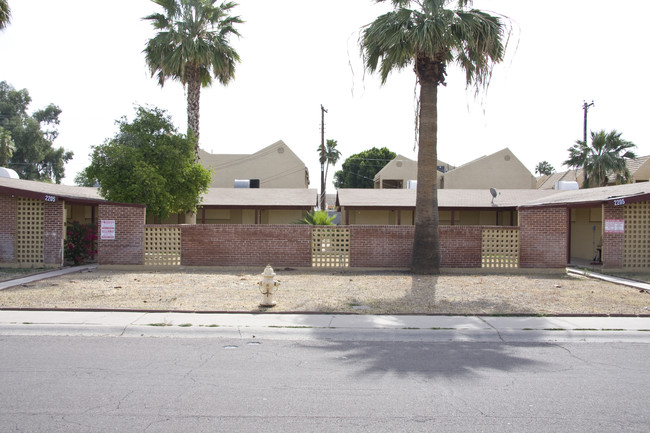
x=128, y=246
x=53, y=226
x=544, y=237
x=613, y=243
x=7, y=229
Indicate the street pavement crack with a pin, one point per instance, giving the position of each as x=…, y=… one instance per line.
x=490, y=325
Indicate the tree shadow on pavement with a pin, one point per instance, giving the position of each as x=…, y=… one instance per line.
x=429, y=358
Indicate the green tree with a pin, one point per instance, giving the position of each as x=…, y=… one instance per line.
x=428, y=36
x=544, y=168
x=33, y=157
x=7, y=147
x=148, y=162
x=359, y=170
x=330, y=156
x=603, y=160
x=193, y=45
x=5, y=14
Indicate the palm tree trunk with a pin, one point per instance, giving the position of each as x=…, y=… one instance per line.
x=425, y=258
x=193, y=102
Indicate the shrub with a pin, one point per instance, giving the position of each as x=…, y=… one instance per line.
x=80, y=243
x=318, y=218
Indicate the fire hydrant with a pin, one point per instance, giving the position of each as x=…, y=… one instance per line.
x=267, y=287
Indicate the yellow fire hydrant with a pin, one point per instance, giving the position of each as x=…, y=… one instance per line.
x=267, y=287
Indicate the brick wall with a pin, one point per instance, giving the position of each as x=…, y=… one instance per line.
x=381, y=246
x=7, y=229
x=246, y=245
x=128, y=246
x=391, y=246
x=53, y=225
x=460, y=246
x=613, y=243
x=543, y=237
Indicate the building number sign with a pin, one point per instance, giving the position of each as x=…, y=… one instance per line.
x=50, y=198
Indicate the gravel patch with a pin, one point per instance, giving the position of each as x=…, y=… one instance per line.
x=355, y=292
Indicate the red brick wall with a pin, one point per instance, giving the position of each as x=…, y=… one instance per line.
x=613, y=243
x=381, y=246
x=53, y=233
x=391, y=246
x=246, y=245
x=460, y=246
x=543, y=237
x=128, y=246
x=7, y=229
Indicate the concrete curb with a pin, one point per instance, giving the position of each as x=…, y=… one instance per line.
x=329, y=327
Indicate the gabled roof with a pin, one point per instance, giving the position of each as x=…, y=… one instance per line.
x=635, y=164
x=453, y=198
x=260, y=197
x=279, y=166
x=34, y=189
x=630, y=193
x=548, y=182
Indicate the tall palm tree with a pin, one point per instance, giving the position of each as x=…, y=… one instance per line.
x=427, y=35
x=5, y=14
x=604, y=159
x=193, y=46
x=330, y=155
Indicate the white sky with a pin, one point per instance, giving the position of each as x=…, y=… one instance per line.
x=86, y=57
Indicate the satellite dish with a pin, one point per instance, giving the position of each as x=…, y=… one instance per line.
x=494, y=194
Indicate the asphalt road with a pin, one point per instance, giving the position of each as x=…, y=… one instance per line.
x=107, y=384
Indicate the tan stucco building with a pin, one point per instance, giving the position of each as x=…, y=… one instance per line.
x=639, y=172
x=500, y=170
x=275, y=166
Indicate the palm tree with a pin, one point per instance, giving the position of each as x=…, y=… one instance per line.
x=5, y=14
x=604, y=159
x=544, y=168
x=330, y=156
x=429, y=36
x=193, y=46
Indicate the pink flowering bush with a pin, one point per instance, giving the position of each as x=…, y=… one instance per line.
x=80, y=243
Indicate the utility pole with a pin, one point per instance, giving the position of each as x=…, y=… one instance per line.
x=321, y=202
x=585, y=107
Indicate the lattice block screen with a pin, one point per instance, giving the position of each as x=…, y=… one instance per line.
x=29, y=231
x=330, y=247
x=636, y=240
x=500, y=248
x=162, y=246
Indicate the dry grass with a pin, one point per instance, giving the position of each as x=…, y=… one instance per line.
x=349, y=292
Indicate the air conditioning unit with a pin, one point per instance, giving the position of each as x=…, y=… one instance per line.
x=247, y=183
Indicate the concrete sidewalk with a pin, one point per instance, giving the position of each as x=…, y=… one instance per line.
x=331, y=327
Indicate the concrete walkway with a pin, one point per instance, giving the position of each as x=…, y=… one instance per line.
x=44, y=276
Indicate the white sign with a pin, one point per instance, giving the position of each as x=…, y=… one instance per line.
x=107, y=230
x=614, y=226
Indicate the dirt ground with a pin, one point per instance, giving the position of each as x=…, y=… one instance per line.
x=375, y=292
